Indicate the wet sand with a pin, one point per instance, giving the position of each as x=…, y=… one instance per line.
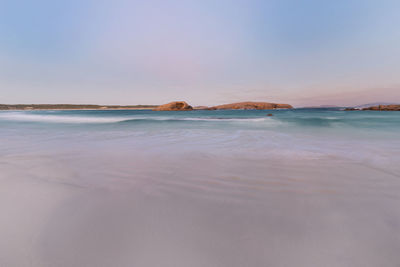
x=143, y=194
x=195, y=210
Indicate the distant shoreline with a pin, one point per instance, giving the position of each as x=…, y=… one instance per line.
x=233, y=106
x=78, y=109
x=16, y=107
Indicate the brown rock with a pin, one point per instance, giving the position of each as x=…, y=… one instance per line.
x=270, y=115
x=384, y=108
x=174, y=106
x=252, y=105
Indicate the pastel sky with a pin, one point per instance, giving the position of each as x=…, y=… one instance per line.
x=302, y=52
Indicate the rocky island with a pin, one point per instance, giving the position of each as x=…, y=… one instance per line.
x=384, y=108
x=174, y=106
x=377, y=108
x=252, y=105
x=182, y=105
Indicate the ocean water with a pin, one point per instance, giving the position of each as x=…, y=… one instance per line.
x=304, y=187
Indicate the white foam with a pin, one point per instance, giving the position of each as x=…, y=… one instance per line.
x=227, y=119
x=20, y=116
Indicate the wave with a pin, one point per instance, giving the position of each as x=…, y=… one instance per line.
x=228, y=119
x=23, y=117
x=208, y=119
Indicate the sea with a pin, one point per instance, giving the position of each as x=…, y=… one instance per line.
x=224, y=188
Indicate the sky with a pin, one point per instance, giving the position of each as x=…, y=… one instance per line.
x=206, y=52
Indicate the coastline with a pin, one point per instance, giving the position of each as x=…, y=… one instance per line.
x=43, y=107
x=74, y=184
x=78, y=109
x=177, y=106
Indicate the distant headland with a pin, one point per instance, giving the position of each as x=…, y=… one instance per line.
x=378, y=108
x=252, y=105
x=184, y=106
x=71, y=107
x=172, y=106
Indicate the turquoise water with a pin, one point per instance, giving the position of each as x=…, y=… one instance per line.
x=305, y=187
x=284, y=118
x=367, y=135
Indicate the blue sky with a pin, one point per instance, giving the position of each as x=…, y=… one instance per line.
x=303, y=52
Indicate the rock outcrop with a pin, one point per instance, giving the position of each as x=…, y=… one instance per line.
x=174, y=106
x=252, y=105
x=384, y=108
x=201, y=108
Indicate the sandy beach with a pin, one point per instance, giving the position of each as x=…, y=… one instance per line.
x=182, y=191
